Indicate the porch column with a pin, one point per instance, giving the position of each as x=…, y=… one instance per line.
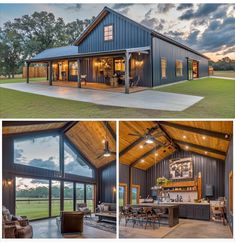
x=79, y=72
x=27, y=72
x=50, y=73
x=47, y=72
x=127, y=80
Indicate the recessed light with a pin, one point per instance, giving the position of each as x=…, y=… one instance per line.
x=204, y=137
x=141, y=146
x=186, y=147
x=103, y=141
x=205, y=152
x=184, y=137
x=156, y=154
x=142, y=161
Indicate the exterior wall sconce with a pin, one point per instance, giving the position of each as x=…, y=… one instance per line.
x=114, y=189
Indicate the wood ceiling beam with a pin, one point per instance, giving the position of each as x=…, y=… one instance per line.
x=146, y=154
x=68, y=126
x=26, y=123
x=214, y=134
x=204, y=148
x=207, y=156
x=136, y=142
x=111, y=131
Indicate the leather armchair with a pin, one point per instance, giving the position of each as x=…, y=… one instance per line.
x=15, y=227
x=71, y=222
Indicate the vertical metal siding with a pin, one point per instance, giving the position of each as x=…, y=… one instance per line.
x=125, y=35
x=171, y=52
x=212, y=171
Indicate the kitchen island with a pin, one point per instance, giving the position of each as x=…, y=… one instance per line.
x=172, y=211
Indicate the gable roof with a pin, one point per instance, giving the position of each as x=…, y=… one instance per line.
x=59, y=52
x=154, y=33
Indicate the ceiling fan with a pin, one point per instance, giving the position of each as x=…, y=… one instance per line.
x=106, y=151
x=149, y=137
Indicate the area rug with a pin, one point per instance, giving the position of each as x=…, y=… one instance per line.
x=106, y=226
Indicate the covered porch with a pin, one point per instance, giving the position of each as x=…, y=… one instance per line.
x=117, y=71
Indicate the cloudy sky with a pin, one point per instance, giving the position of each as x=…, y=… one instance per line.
x=208, y=28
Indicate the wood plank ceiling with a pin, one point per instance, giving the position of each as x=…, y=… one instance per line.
x=87, y=136
x=208, y=138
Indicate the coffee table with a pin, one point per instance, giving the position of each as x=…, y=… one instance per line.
x=106, y=216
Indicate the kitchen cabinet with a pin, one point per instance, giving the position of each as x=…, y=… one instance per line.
x=194, y=211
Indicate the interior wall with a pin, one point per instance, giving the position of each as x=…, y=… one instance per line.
x=107, y=183
x=212, y=172
x=228, y=169
x=138, y=178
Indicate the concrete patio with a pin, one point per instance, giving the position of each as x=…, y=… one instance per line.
x=147, y=99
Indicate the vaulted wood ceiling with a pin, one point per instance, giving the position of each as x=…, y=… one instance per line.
x=87, y=136
x=207, y=138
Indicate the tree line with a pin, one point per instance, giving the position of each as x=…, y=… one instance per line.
x=25, y=37
x=225, y=64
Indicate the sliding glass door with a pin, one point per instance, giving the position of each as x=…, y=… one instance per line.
x=55, y=198
x=68, y=196
x=32, y=197
x=90, y=196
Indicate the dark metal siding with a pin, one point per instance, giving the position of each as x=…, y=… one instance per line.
x=171, y=52
x=125, y=35
x=212, y=172
x=228, y=169
x=138, y=178
x=107, y=183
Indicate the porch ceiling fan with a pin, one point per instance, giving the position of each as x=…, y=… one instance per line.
x=149, y=137
x=106, y=151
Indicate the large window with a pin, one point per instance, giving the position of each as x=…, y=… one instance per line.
x=55, y=198
x=122, y=194
x=108, y=32
x=135, y=193
x=163, y=67
x=41, y=152
x=32, y=197
x=90, y=197
x=75, y=164
x=68, y=196
x=80, y=193
x=179, y=68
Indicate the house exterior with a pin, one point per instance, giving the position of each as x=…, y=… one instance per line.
x=116, y=46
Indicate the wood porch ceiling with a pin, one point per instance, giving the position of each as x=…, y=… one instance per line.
x=207, y=138
x=87, y=136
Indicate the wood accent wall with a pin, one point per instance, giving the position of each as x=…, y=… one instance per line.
x=35, y=71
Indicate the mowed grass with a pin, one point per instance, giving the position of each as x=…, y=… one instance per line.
x=40, y=209
x=19, y=79
x=218, y=102
x=230, y=74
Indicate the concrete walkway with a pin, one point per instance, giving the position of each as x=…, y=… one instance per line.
x=148, y=99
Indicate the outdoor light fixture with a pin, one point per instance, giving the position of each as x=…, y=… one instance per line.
x=9, y=182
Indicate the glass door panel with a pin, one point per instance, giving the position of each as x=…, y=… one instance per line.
x=80, y=191
x=190, y=69
x=55, y=198
x=90, y=196
x=68, y=196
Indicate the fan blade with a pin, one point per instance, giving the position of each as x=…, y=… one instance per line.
x=99, y=156
x=139, y=135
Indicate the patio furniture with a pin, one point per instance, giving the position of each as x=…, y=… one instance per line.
x=84, y=78
x=70, y=222
x=82, y=207
x=15, y=226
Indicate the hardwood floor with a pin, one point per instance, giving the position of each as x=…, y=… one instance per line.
x=47, y=228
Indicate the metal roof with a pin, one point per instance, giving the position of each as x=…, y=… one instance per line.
x=54, y=53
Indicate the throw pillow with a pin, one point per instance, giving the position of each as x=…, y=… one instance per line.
x=106, y=208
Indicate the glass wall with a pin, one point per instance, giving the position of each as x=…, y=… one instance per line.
x=41, y=152
x=74, y=163
x=68, y=196
x=80, y=190
x=55, y=198
x=32, y=198
x=90, y=197
x=134, y=195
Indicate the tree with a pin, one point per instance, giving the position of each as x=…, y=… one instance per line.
x=10, y=50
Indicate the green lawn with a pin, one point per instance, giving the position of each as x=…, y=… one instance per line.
x=40, y=209
x=15, y=80
x=218, y=102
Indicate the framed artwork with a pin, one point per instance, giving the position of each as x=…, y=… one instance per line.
x=181, y=168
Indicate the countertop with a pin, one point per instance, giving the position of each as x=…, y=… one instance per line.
x=173, y=203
